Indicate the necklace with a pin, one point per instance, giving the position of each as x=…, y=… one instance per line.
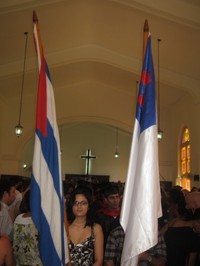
x=81, y=225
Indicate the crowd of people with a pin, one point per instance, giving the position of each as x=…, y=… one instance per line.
x=95, y=236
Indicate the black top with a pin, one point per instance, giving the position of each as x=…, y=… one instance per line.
x=108, y=223
x=180, y=241
x=82, y=254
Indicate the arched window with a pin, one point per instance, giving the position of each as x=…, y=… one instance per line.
x=185, y=160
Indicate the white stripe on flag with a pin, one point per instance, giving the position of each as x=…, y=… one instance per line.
x=142, y=189
x=141, y=204
x=51, y=114
x=46, y=184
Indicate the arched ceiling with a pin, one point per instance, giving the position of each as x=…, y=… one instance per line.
x=99, y=42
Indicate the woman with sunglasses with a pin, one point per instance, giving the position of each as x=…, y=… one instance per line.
x=85, y=237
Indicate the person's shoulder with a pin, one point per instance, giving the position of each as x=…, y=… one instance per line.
x=4, y=208
x=3, y=211
x=181, y=223
x=117, y=232
x=118, y=228
x=97, y=227
x=19, y=218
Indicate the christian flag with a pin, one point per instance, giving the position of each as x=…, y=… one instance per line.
x=141, y=201
x=47, y=204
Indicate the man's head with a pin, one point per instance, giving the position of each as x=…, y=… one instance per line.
x=7, y=192
x=112, y=197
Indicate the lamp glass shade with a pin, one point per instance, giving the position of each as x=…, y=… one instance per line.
x=160, y=135
x=18, y=130
x=116, y=155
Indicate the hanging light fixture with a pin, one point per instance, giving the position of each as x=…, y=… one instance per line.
x=160, y=132
x=116, y=145
x=24, y=166
x=19, y=127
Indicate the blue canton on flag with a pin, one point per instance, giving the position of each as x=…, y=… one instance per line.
x=146, y=107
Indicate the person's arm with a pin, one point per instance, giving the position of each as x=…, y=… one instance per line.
x=152, y=260
x=98, y=247
x=110, y=250
x=9, y=257
x=109, y=263
x=157, y=255
x=192, y=258
x=196, y=226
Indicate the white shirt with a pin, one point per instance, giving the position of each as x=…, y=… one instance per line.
x=6, y=223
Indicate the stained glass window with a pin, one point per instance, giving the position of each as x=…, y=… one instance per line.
x=185, y=153
x=185, y=160
x=185, y=136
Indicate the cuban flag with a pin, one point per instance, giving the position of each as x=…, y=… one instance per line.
x=141, y=204
x=47, y=202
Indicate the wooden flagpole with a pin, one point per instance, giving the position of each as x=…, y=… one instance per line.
x=39, y=45
x=67, y=232
x=145, y=37
x=40, y=55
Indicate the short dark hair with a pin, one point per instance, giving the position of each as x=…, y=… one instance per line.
x=67, y=187
x=5, y=186
x=110, y=190
x=25, y=203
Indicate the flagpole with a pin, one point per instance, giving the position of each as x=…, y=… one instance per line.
x=141, y=199
x=67, y=232
x=54, y=180
x=145, y=37
x=39, y=47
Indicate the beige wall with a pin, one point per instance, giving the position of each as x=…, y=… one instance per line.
x=186, y=113
x=100, y=138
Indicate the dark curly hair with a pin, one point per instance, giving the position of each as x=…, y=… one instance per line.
x=88, y=194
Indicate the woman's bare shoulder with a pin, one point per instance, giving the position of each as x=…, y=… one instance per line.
x=97, y=227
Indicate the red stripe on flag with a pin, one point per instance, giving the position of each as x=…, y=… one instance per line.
x=41, y=122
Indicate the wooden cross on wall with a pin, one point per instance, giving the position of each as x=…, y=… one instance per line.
x=88, y=156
